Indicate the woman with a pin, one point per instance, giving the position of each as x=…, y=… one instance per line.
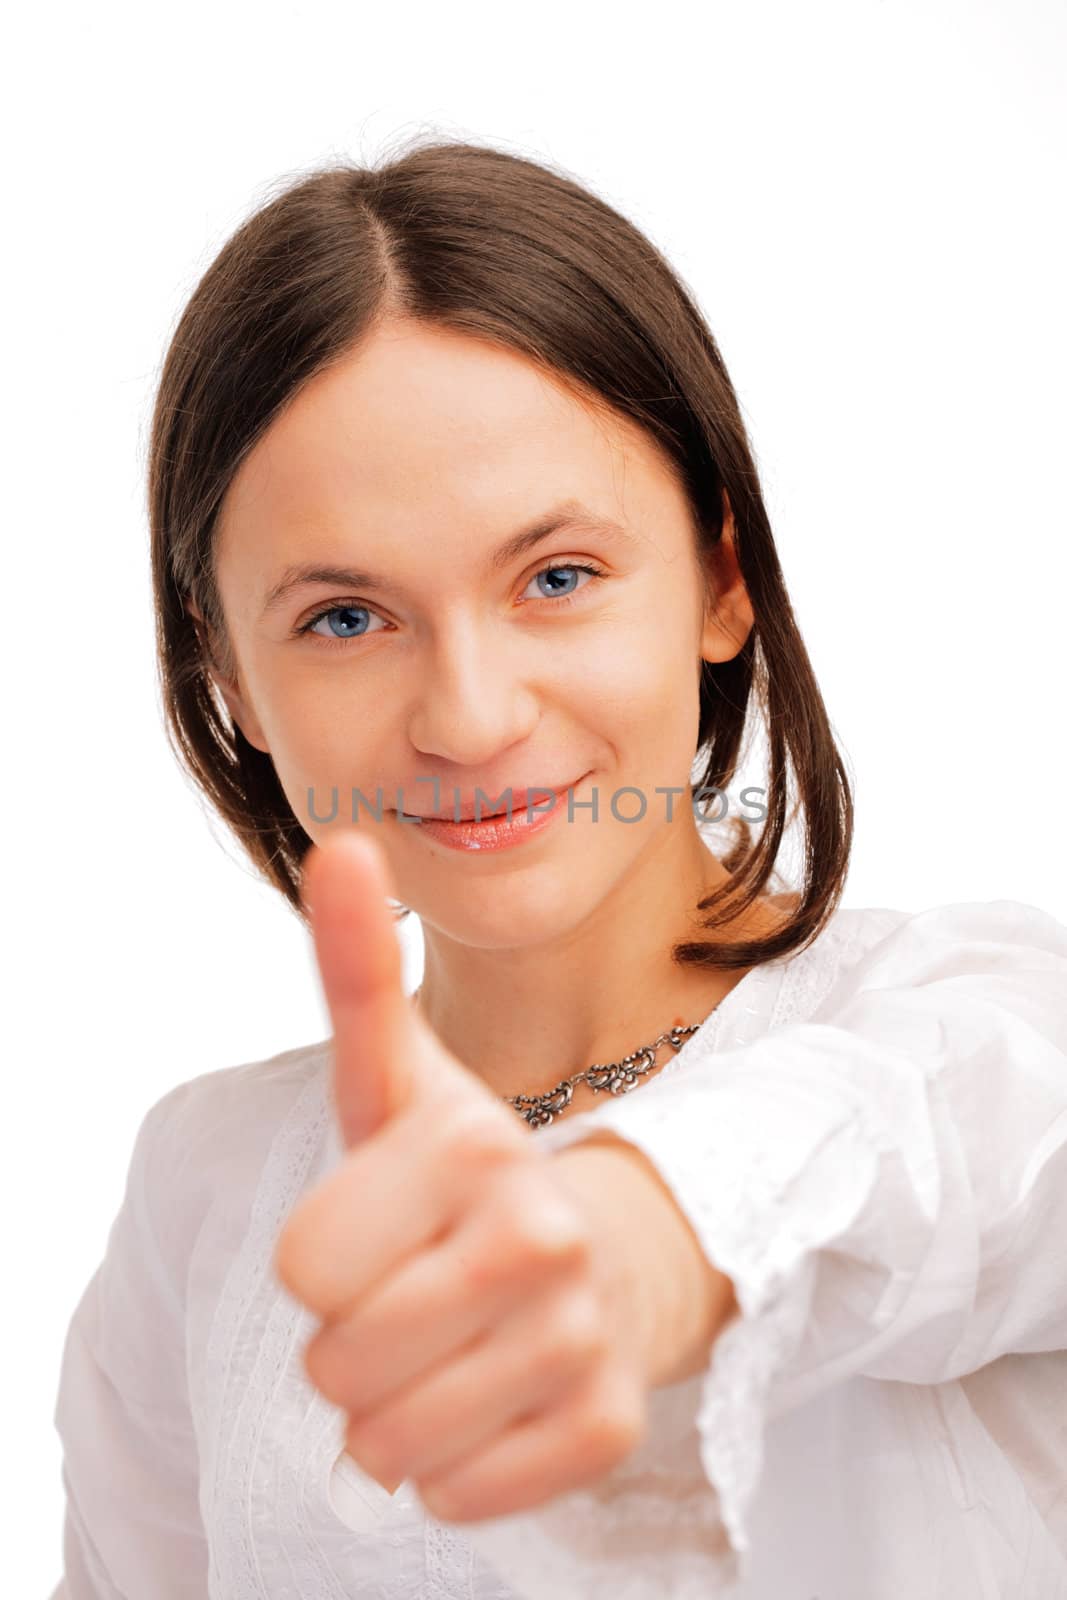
x=453, y=512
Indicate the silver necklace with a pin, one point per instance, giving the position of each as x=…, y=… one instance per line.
x=617, y=1077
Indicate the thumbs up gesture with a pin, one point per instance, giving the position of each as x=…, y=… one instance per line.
x=491, y=1320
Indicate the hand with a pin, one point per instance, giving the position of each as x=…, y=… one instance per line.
x=486, y=1337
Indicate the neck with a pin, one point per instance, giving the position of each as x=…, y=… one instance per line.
x=599, y=982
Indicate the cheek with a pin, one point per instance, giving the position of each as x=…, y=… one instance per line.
x=641, y=687
x=320, y=742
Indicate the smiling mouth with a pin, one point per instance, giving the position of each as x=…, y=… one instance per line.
x=519, y=802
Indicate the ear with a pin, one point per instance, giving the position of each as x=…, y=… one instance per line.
x=728, y=614
x=229, y=688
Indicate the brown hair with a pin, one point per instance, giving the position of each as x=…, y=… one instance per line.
x=499, y=247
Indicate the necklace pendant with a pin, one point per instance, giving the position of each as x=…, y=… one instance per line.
x=619, y=1077
x=540, y=1109
x=675, y=1036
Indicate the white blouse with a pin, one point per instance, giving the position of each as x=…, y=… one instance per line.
x=869, y=1137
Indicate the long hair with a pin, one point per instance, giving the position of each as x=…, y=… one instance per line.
x=501, y=248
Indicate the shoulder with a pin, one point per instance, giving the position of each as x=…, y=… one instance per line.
x=205, y=1141
x=1003, y=941
x=236, y=1106
x=992, y=930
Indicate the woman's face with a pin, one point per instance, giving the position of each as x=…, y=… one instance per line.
x=409, y=465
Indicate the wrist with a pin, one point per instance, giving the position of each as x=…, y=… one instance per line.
x=673, y=1300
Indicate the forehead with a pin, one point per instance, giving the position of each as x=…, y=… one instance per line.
x=420, y=431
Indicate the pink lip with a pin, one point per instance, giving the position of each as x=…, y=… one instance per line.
x=467, y=804
x=499, y=833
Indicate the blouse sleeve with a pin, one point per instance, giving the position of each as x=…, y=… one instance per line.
x=884, y=1183
x=130, y=1475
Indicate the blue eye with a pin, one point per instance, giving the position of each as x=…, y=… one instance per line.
x=350, y=612
x=568, y=566
x=346, y=613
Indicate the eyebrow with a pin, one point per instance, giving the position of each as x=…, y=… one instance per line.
x=570, y=514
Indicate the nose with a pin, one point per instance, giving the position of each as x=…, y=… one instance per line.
x=472, y=701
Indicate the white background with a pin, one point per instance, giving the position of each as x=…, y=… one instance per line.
x=866, y=198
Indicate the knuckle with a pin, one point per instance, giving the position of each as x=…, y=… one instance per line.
x=544, y=1230
x=518, y=1234
x=378, y=1449
x=477, y=1141
x=448, y=1500
x=612, y=1424
x=521, y=1233
x=577, y=1337
x=480, y=1266
x=314, y=1365
x=301, y=1263
x=291, y=1264
x=320, y=1364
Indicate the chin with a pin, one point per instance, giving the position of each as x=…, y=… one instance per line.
x=499, y=915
